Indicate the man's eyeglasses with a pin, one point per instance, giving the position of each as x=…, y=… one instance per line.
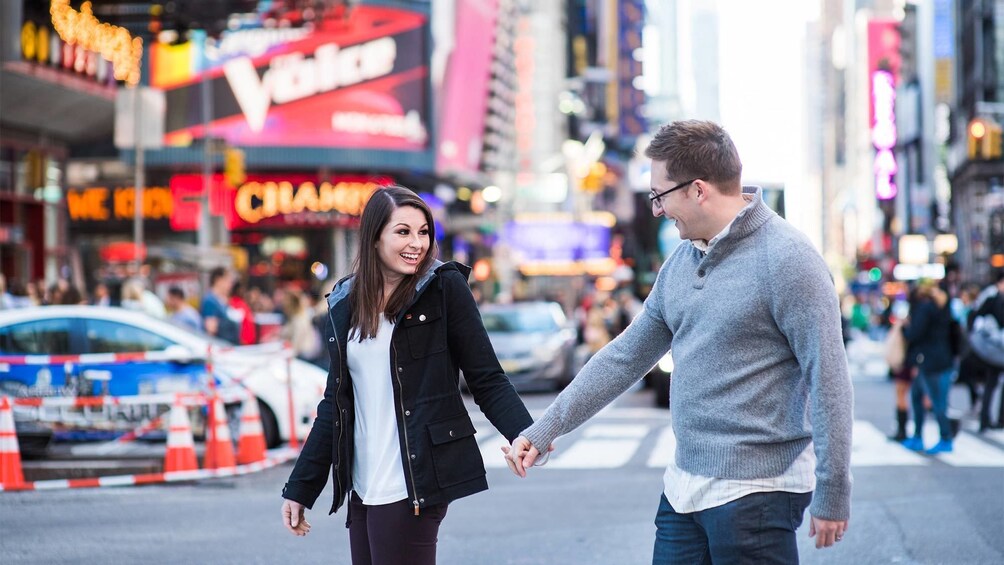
x=655, y=198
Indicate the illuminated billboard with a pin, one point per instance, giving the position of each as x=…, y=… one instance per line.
x=356, y=83
x=274, y=201
x=883, y=67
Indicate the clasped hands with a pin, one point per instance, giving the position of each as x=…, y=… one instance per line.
x=521, y=455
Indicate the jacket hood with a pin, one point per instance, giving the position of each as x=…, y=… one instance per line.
x=342, y=287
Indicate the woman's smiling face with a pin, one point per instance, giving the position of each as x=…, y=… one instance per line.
x=403, y=242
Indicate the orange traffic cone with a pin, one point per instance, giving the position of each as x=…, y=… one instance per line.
x=251, y=440
x=180, y=454
x=219, y=446
x=11, y=475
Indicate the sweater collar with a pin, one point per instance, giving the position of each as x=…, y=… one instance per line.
x=754, y=215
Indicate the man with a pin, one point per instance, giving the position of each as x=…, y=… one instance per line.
x=215, y=320
x=761, y=398
x=181, y=312
x=986, y=338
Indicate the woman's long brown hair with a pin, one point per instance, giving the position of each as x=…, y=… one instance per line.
x=367, y=288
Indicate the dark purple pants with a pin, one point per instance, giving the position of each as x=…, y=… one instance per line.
x=391, y=534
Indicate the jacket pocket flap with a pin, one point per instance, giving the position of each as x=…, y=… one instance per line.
x=451, y=430
x=419, y=317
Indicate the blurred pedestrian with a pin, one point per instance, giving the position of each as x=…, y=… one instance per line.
x=15, y=295
x=101, y=296
x=180, y=311
x=902, y=373
x=72, y=296
x=243, y=315
x=135, y=296
x=216, y=320
x=762, y=405
x=392, y=422
x=927, y=332
x=986, y=340
x=299, y=328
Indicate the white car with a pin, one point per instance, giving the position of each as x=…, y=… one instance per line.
x=79, y=330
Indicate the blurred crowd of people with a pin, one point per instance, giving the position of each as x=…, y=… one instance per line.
x=226, y=310
x=940, y=334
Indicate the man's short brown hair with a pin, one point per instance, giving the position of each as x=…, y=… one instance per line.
x=698, y=149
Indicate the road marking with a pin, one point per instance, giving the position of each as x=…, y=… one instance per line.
x=871, y=448
x=490, y=443
x=611, y=431
x=664, y=450
x=606, y=445
x=967, y=451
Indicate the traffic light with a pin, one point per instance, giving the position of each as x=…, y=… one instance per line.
x=984, y=139
x=907, y=29
x=233, y=167
x=992, y=144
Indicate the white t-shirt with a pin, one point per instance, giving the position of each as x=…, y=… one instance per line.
x=377, y=473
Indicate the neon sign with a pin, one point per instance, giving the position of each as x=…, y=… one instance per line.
x=113, y=42
x=884, y=134
x=256, y=201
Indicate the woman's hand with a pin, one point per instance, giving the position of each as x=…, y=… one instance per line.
x=293, y=519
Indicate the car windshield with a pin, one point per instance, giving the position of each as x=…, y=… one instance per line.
x=520, y=320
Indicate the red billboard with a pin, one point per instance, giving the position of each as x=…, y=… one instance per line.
x=274, y=201
x=356, y=82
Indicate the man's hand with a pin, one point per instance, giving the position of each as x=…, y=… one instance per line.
x=293, y=519
x=521, y=455
x=827, y=532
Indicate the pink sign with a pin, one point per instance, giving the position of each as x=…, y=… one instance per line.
x=465, y=87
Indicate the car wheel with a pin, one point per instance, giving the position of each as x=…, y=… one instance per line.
x=270, y=425
x=270, y=428
x=660, y=382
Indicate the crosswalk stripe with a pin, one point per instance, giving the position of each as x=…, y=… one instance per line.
x=606, y=445
x=995, y=435
x=871, y=448
x=489, y=446
x=595, y=454
x=664, y=450
x=611, y=431
x=967, y=451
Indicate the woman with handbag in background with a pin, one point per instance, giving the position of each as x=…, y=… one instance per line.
x=902, y=375
x=392, y=428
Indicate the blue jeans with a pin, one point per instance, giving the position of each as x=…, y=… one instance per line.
x=757, y=528
x=936, y=385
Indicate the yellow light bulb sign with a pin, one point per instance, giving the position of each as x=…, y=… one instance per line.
x=233, y=167
x=112, y=42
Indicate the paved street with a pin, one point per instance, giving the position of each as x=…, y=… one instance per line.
x=592, y=504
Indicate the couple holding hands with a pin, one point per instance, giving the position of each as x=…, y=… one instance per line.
x=761, y=399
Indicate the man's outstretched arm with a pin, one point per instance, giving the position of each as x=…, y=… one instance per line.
x=607, y=374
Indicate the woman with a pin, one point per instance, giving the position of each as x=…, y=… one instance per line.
x=299, y=327
x=929, y=350
x=392, y=425
x=248, y=332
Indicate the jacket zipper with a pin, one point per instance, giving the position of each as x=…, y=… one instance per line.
x=407, y=450
x=338, y=386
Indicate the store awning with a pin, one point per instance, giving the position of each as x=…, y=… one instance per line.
x=65, y=106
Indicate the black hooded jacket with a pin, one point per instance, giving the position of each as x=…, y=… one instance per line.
x=439, y=334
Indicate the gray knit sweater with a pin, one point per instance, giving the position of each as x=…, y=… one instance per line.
x=760, y=370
